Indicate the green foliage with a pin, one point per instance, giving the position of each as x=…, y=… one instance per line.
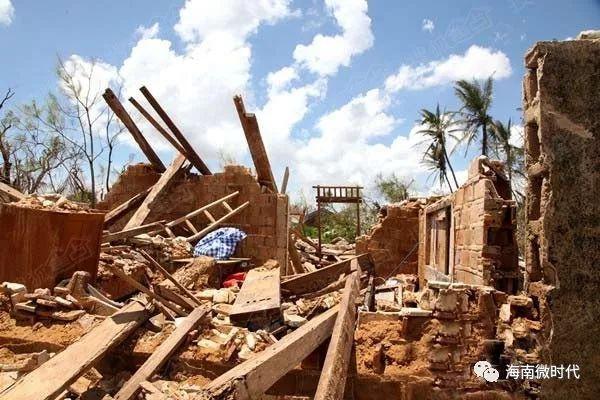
x=342, y=223
x=392, y=187
x=476, y=99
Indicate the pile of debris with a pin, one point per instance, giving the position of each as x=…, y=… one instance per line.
x=53, y=202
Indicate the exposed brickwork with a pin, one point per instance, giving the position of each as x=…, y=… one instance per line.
x=562, y=142
x=393, y=238
x=264, y=220
x=432, y=357
x=482, y=248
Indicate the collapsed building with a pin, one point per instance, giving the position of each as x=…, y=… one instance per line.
x=116, y=303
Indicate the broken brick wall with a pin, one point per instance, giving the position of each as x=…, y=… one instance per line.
x=469, y=236
x=392, y=240
x=562, y=143
x=429, y=352
x=264, y=220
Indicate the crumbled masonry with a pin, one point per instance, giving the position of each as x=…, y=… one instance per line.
x=112, y=304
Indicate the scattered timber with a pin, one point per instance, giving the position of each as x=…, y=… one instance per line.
x=51, y=378
x=161, y=354
x=253, y=377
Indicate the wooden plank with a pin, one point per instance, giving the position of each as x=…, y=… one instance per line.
x=189, y=150
x=116, y=106
x=170, y=277
x=119, y=211
x=286, y=176
x=335, y=369
x=320, y=278
x=209, y=216
x=259, y=297
x=138, y=230
x=132, y=282
x=11, y=192
x=158, y=127
x=161, y=354
x=51, y=378
x=215, y=224
x=163, y=182
x=255, y=143
x=253, y=377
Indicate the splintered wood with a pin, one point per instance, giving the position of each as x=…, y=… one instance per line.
x=259, y=299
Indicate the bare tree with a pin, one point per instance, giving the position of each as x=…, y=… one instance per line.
x=79, y=116
x=6, y=123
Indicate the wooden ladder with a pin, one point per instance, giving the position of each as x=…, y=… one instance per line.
x=213, y=224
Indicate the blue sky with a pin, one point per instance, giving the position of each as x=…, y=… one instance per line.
x=329, y=114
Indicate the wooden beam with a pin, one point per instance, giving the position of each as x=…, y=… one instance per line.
x=202, y=209
x=253, y=377
x=320, y=278
x=170, y=277
x=256, y=145
x=259, y=298
x=116, y=106
x=158, y=127
x=51, y=378
x=138, y=230
x=119, y=211
x=189, y=150
x=132, y=282
x=11, y=192
x=215, y=224
x=163, y=182
x=286, y=176
x=335, y=369
x=161, y=354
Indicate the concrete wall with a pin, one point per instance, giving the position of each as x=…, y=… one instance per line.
x=481, y=245
x=264, y=220
x=562, y=139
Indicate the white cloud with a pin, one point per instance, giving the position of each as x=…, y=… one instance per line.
x=196, y=86
x=7, y=12
x=477, y=62
x=281, y=79
x=198, y=20
x=346, y=147
x=428, y=25
x=143, y=32
x=326, y=54
x=516, y=135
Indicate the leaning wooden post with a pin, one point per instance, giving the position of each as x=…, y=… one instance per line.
x=116, y=106
x=189, y=150
x=335, y=369
x=256, y=145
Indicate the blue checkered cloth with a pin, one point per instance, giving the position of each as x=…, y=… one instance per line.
x=219, y=244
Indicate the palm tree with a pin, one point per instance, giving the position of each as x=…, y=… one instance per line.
x=513, y=155
x=436, y=126
x=476, y=99
x=435, y=159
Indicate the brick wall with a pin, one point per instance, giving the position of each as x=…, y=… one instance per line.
x=264, y=220
x=391, y=240
x=562, y=144
x=481, y=245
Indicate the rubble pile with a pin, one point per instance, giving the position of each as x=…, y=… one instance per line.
x=52, y=202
